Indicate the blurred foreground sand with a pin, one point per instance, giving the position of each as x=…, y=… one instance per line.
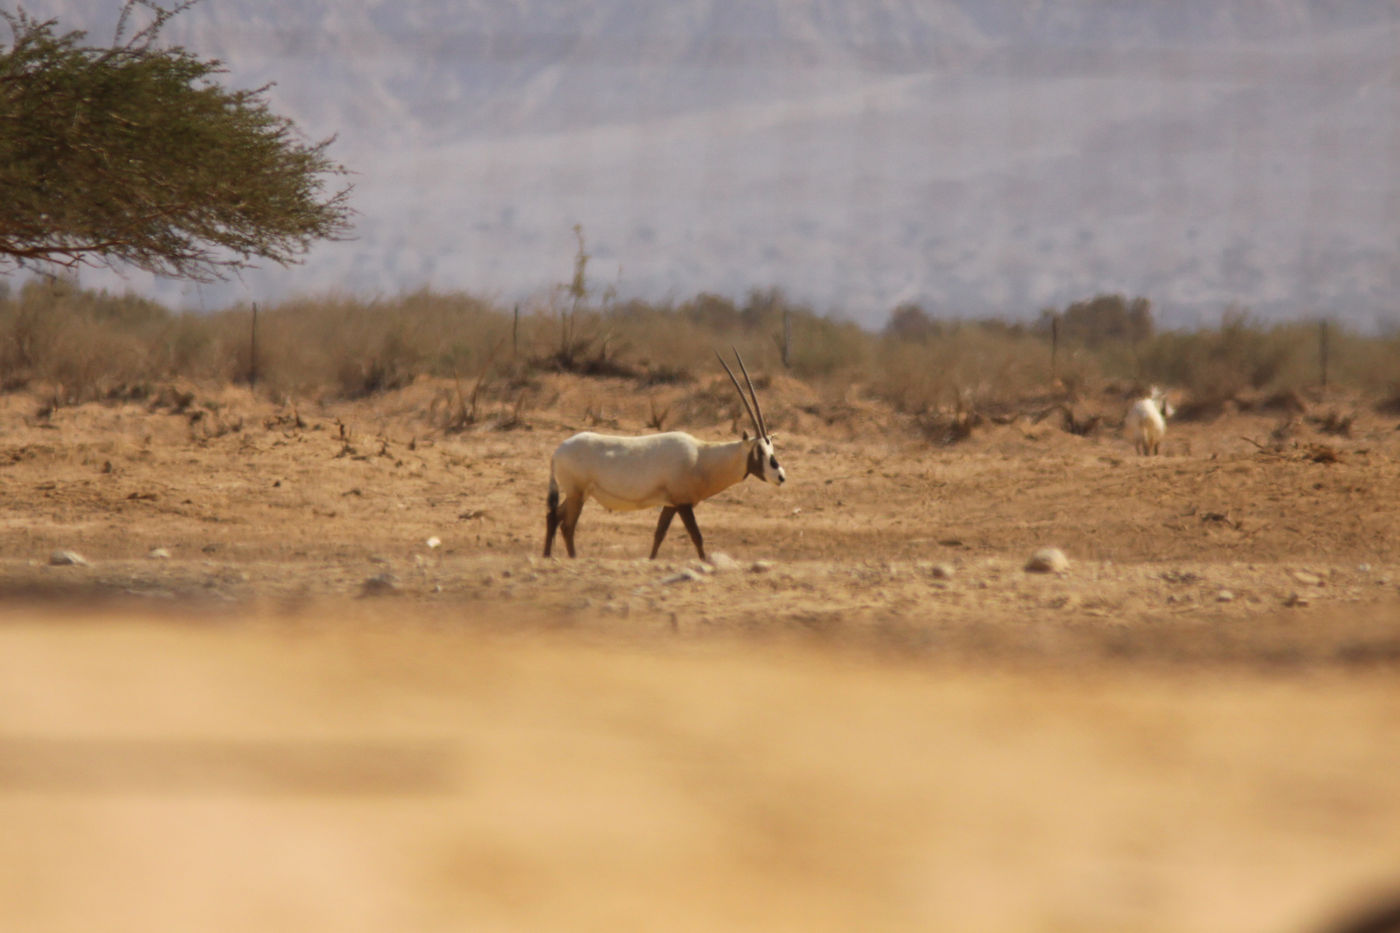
x=360, y=770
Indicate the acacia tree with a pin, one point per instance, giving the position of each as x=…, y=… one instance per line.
x=133, y=154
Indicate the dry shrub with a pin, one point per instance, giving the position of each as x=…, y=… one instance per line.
x=1322, y=453
x=824, y=348
x=1217, y=366
x=949, y=428
x=712, y=401
x=83, y=345
x=1390, y=403
x=1206, y=408
x=493, y=398
x=1289, y=401
x=665, y=376
x=1085, y=425
x=1334, y=423
x=1366, y=363
x=969, y=368
x=353, y=349
x=662, y=346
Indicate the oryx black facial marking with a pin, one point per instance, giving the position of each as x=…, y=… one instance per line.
x=763, y=463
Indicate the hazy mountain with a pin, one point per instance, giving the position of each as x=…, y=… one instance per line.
x=977, y=157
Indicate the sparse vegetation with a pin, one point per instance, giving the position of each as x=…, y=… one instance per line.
x=72, y=345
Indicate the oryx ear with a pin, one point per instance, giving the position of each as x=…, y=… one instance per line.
x=746, y=435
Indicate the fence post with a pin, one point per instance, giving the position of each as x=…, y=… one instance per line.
x=515, y=334
x=1055, y=348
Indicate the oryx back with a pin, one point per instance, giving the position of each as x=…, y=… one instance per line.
x=625, y=473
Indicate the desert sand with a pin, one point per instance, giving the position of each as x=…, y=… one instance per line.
x=313, y=673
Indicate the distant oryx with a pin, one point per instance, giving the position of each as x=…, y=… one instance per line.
x=673, y=471
x=1146, y=423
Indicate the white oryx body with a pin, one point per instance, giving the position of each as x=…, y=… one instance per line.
x=1146, y=422
x=651, y=471
x=672, y=471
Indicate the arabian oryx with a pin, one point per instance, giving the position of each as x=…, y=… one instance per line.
x=1146, y=422
x=673, y=471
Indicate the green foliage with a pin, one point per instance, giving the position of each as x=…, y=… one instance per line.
x=134, y=154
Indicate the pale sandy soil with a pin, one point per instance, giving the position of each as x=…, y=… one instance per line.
x=1194, y=729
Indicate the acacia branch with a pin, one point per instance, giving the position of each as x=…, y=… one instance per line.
x=133, y=155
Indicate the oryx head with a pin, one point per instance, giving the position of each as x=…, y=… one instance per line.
x=1159, y=398
x=763, y=462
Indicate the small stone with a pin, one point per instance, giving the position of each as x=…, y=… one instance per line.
x=1294, y=601
x=684, y=576
x=1048, y=560
x=158, y=553
x=63, y=558
x=723, y=563
x=434, y=542
x=1225, y=596
x=1363, y=568
x=761, y=566
x=941, y=571
x=1306, y=578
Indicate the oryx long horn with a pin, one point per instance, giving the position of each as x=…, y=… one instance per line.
x=758, y=410
x=757, y=425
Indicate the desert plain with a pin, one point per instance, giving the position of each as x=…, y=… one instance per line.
x=269, y=664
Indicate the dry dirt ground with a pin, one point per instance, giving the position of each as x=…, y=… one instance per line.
x=314, y=674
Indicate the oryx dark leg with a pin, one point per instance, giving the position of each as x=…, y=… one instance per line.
x=664, y=522
x=688, y=517
x=551, y=520
x=569, y=520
